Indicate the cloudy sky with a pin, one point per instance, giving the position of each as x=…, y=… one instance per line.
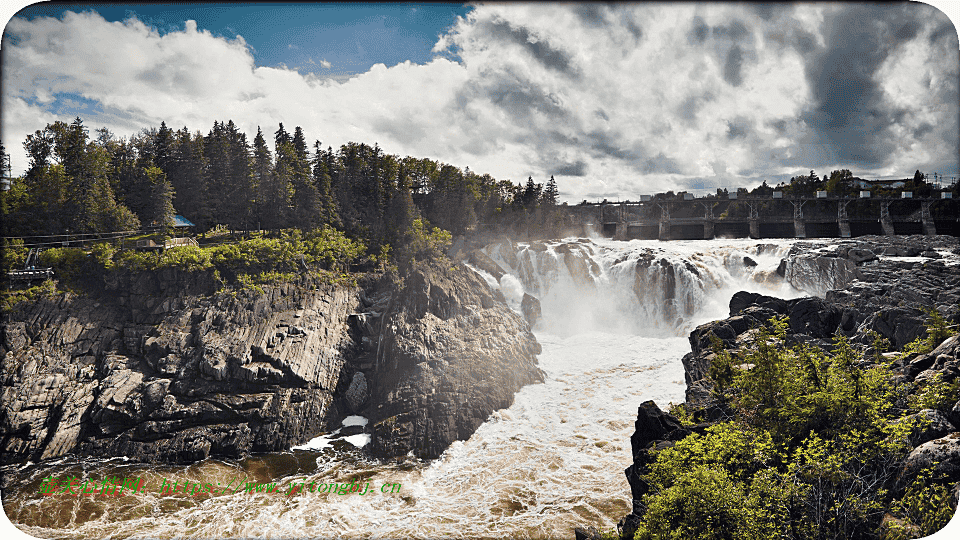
x=613, y=100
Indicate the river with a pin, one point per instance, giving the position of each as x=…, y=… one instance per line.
x=552, y=461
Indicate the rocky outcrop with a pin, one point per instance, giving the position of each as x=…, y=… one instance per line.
x=451, y=352
x=655, y=431
x=167, y=377
x=530, y=307
x=868, y=284
x=162, y=368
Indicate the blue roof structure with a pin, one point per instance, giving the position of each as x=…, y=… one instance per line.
x=180, y=221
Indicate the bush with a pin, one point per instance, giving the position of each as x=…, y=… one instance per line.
x=70, y=265
x=815, y=453
x=421, y=243
x=13, y=254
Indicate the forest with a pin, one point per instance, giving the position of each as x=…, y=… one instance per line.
x=78, y=182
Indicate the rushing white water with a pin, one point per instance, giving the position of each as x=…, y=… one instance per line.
x=612, y=337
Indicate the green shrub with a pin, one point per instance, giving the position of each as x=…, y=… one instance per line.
x=927, y=507
x=13, y=298
x=815, y=452
x=13, y=254
x=70, y=265
x=189, y=258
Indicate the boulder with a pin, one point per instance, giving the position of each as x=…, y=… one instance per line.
x=530, y=307
x=942, y=455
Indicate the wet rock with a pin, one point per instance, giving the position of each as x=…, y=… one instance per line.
x=654, y=430
x=530, y=307
x=174, y=377
x=358, y=392
x=485, y=263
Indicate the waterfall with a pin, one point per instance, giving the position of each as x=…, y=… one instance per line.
x=646, y=288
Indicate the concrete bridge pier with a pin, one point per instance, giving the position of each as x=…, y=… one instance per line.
x=843, y=220
x=929, y=227
x=799, y=228
x=754, y=220
x=664, y=221
x=799, y=225
x=885, y=221
x=621, y=232
x=844, y=229
x=708, y=229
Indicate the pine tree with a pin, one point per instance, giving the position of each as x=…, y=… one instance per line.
x=324, y=183
x=551, y=194
x=307, y=212
x=262, y=176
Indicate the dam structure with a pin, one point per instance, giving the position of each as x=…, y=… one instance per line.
x=685, y=217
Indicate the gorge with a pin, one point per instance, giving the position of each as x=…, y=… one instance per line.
x=485, y=439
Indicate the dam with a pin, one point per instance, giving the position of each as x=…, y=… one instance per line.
x=685, y=217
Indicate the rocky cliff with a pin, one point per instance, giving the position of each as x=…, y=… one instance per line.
x=160, y=367
x=153, y=369
x=451, y=353
x=884, y=285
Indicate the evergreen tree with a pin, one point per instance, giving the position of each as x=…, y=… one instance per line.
x=262, y=175
x=306, y=209
x=188, y=181
x=164, y=147
x=324, y=183
x=551, y=194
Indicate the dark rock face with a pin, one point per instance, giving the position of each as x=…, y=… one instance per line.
x=172, y=377
x=655, y=430
x=485, y=263
x=154, y=370
x=530, y=307
x=452, y=353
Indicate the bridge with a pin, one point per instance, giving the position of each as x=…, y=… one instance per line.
x=689, y=218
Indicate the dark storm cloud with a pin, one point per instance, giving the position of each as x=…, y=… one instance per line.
x=944, y=30
x=550, y=57
x=699, y=30
x=736, y=30
x=690, y=107
x=731, y=68
x=514, y=94
x=633, y=28
x=591, y=14
x=922, y=130
x=804, y=41
x=739, y=128
x=608, y=145
x=849, y=109
x=660, y=164
x=768, y=11
x=578, y=168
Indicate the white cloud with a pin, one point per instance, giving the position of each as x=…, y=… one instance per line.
x=613, y=101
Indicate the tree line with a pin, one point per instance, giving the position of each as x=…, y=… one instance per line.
x=82, y=183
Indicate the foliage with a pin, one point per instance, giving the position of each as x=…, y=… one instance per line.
x=936, y=394
x=925, y=505
x=814, y=453
x=423, y=243
x=937, y=330
x=18, y=296
x=13, y=254
x=70, y=265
